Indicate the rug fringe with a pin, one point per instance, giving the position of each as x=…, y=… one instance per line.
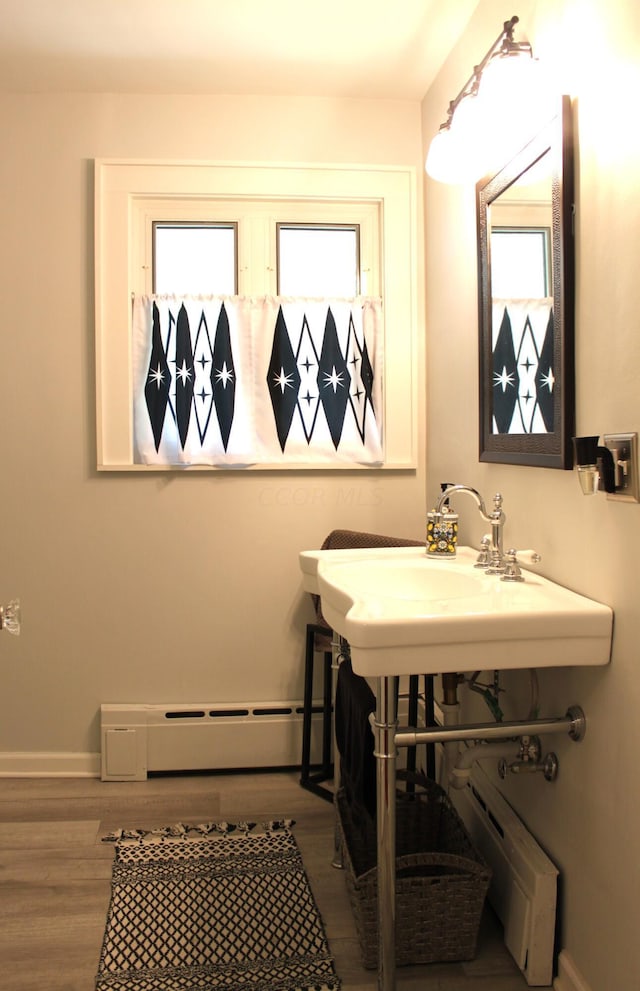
x=181, y=829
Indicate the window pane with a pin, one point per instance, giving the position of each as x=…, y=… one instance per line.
x=318, y=261
x=520, y=263
x=194, y=259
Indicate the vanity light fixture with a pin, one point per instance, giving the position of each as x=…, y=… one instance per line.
x=611, y=467
x=502, y=102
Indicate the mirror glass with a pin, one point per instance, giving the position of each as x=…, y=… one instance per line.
x=525, y=265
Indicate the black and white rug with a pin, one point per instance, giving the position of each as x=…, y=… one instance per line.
x=214, y=907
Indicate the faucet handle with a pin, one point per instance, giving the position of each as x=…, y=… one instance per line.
x=484, y=557
x=512, y=572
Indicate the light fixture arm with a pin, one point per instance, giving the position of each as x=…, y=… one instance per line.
x=494, y=113
x=503, y=45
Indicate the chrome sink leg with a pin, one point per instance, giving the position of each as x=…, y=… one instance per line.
x=386, y=723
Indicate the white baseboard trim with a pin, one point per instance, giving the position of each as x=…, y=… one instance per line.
x=49, y=765
x=569, y=977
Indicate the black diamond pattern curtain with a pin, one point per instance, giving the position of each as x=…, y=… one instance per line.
x=237, y=381
x=523, y=366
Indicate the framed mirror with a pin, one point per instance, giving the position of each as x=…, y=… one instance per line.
x=526, y=302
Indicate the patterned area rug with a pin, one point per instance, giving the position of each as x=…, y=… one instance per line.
x=215, y=907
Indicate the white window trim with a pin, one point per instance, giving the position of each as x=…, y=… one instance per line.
x=122, y=185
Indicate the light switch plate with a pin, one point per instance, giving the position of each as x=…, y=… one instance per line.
x=624, y=448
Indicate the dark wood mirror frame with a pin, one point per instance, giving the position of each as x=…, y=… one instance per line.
x=552, y=449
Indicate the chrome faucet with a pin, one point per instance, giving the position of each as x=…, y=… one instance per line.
x=496, y=520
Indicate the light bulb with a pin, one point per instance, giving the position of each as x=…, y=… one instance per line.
x=514, y=101
x=456, y=154
x=439, y=158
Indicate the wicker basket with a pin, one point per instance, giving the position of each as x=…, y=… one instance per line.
x=441, y=880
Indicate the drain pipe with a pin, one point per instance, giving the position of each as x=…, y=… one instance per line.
x=450, y=709
x=461, y=771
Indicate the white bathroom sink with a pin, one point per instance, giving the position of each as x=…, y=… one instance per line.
x=405, y=613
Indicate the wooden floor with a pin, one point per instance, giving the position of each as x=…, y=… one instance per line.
x=55, y=875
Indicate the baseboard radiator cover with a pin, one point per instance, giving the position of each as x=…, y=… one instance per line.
x=137, y=739
x=523, y=890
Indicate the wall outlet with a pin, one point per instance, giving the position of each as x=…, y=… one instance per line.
x=624, y=448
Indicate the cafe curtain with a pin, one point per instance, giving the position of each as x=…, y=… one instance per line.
x=523, y=366
x=239, y=381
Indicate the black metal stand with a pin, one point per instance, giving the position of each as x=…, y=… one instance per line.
x=312, y=781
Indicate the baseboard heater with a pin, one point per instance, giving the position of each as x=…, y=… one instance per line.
x=523, y=889
x=138, y=739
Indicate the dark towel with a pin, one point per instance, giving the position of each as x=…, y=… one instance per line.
x=354, y=739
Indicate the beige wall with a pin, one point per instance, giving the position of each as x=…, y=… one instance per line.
x=163, y=587
x=589, y=820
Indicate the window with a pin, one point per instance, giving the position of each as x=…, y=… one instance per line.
x=366, y=216
x=337, y=243
x=520, y=262
x=194, y=259
x=200, y=258
x=318, y=261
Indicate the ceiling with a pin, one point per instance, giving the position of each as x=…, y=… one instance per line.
x=343, y=48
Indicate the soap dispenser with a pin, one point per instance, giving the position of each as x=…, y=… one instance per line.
x=442, y=529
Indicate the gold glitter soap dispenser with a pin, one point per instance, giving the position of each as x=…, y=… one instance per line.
x=442, y=531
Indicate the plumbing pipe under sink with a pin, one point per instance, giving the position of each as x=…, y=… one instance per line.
x=460, y=772
x=450, y=713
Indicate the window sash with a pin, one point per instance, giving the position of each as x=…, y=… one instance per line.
x=212, y=243
x=335, y=257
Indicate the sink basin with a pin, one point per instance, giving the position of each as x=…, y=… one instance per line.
x=405, y=613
